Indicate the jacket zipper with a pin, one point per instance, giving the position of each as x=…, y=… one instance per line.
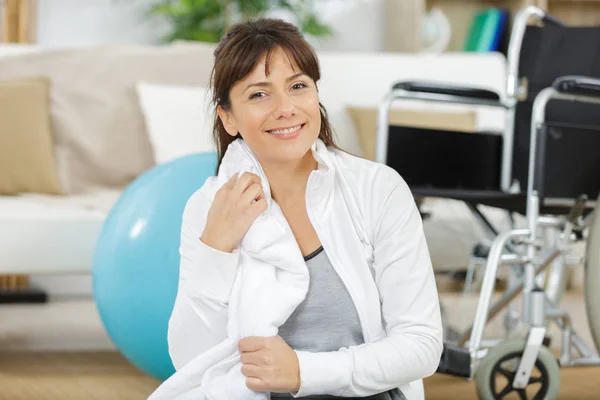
x=343, y=277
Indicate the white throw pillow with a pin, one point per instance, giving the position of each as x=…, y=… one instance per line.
x=179, y=119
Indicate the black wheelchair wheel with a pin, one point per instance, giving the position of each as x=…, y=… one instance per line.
x=495, y=374
x=592, y=276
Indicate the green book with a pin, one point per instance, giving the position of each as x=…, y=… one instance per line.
x=483, y=30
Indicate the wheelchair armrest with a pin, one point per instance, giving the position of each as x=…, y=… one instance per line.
x=447, y=89
x=577, y=85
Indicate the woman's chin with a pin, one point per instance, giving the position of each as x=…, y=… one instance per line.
x=291, y=154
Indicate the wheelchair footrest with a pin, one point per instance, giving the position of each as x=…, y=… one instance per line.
x=455, y=361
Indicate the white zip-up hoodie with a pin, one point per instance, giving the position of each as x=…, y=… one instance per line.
x=369, y=225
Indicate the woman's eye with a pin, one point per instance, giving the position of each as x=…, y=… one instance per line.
x=256, y=95
x=299, y=86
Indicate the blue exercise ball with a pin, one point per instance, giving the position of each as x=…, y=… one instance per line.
x=136, y=260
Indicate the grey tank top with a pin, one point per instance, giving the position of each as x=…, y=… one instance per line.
x=318, y=326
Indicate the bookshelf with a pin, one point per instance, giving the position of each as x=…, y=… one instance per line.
x=460, y=13
x=404, y=17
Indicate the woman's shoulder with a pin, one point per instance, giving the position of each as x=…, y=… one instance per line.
x=376, y=188
x=377, y=191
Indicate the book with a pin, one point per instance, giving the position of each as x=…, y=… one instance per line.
x=486, y=30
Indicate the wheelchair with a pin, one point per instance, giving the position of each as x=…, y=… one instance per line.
x=545, y=166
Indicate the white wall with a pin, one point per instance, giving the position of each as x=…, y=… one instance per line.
x=358, y=24
x=92, y=22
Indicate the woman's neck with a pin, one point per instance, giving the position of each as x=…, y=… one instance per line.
x=288, y=181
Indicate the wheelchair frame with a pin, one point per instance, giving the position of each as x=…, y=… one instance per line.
x=513, y=91
x=522, y=244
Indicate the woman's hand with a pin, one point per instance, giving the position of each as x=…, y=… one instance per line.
x=235, y=207
x=269, y=364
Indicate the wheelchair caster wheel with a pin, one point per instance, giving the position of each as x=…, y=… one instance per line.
x=495, y=374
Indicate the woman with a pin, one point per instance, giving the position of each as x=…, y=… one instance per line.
x=369, y=325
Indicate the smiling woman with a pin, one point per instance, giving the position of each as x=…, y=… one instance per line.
x=268, y=108
x=266, y=91
x=304, y=270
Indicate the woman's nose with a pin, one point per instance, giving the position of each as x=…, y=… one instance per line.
x=285, y=107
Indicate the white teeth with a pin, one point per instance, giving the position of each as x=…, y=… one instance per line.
x=285, y=131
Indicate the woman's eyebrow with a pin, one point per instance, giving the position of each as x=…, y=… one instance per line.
x=264, y=84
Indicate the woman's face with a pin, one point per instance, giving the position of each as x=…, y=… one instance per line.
x=278, y=116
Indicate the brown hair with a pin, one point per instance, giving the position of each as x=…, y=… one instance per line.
x=240, y=49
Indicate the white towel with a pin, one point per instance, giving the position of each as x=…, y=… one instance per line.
x=271, y=281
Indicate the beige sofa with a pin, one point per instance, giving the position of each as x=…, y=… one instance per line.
x=82, y=111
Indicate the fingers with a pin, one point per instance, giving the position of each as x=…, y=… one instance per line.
x=244, y=182
x=250, y=343
x=247, y=191
x=254, y=379
x=231, y=182
x=257, y=358
x=251, y=371
x=258, y=385
x=223, y=192
x=259, y=207
x=254, y=192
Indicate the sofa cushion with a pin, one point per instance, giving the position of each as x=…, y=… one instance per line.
x=27, y=159
x=96, y=117
x=45, y=234
x=16, y=49
x=179, y=119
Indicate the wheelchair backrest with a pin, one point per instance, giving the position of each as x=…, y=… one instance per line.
x=571, y=145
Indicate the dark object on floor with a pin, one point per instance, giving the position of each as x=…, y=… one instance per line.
x=22, y=296
x=455, y=361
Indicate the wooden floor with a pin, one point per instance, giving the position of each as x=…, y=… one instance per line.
x=71, y=376
x=108, y=376
x=60, y=351
x=576, y=384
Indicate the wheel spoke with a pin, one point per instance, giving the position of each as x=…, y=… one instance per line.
x=537, y=379
x=507, y=389
x=522, y=394
x=508, y=374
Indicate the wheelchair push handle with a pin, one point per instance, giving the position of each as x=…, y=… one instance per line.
x=548, y=18
x=577, y=85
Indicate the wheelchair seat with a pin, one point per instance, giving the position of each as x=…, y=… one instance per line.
x=514, y=202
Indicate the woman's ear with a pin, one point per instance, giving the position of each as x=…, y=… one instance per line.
x=227, y=121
